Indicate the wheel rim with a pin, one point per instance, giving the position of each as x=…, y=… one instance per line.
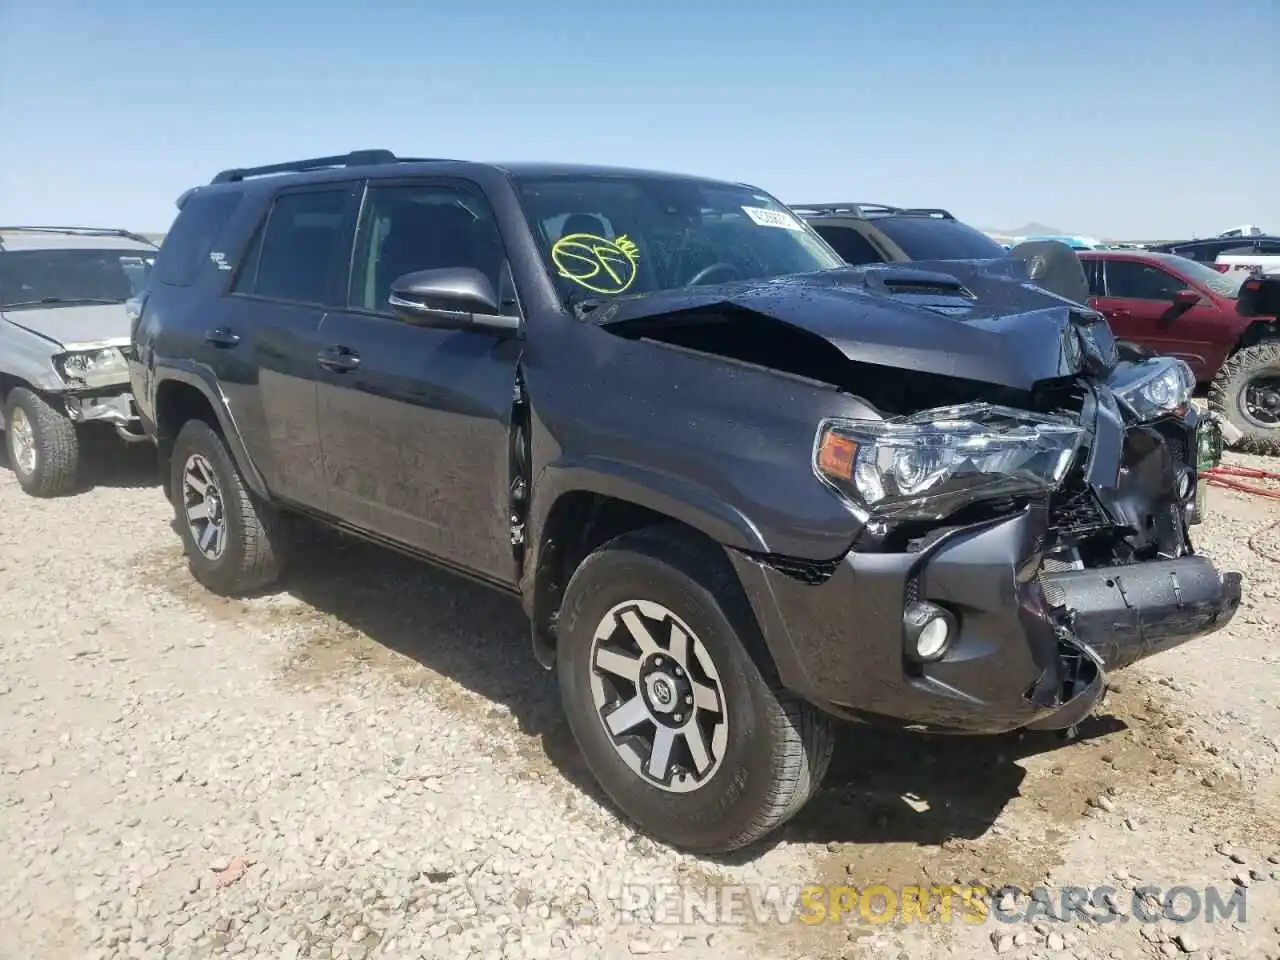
x=659, y=696
x=204, y=508
x=22, y=442
x=1259, y=401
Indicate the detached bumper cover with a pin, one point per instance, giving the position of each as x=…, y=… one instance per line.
x=1126, y=614
x=1032, y=648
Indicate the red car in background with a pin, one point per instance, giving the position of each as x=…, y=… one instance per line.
x=1178, y=307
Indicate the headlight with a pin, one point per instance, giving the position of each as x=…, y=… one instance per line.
x=1158, y=386
x=928, y=465
x=89, y=365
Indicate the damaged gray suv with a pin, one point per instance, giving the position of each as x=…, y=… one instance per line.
x=740, y=489
x=64, y=329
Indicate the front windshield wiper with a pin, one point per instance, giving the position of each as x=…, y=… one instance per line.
x=585, y=306
x=43, y=301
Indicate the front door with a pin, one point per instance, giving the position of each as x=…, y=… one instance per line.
x=415, y=421
x=1139, y=305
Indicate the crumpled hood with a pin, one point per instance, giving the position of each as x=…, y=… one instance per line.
x=977, y=320
x=65, y=326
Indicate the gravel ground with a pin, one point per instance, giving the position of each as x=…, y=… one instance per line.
x=368, y=763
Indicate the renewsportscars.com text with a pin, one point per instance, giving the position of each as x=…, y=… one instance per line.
x=812, y=904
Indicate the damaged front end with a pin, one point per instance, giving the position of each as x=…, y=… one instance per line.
x=1021, y=498
x=1037, y=549
x=97, y=387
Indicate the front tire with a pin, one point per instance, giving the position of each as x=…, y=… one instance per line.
x=42, y=444
x=690, y=735
x=1247, y=392
x=232, y=543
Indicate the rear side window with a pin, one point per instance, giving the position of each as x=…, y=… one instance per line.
x=295, y=254
x=192, y=236
x=928, y=238
x=852, y=246
x=1093, y=274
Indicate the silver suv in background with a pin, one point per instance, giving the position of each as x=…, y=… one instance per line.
x=64, y=330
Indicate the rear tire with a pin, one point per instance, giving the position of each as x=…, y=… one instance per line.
x=42, y=444
x=763, y=752
x=1227, y=395
x=232, y=541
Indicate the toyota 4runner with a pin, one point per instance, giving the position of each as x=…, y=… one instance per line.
x=741, y=489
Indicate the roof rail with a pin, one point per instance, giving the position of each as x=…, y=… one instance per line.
x=82, y=232
x=929, y=212
x=356, y=158
x=859, y=209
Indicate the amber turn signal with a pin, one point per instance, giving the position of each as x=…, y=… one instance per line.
x=836, y=454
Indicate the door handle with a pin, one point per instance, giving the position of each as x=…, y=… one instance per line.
x=222, y=337
x=339, y=359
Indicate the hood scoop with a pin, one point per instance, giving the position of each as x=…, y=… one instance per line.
x=940, y=292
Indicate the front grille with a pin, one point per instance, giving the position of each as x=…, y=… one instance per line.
x=1054, y=595
x=1073, y=513
x=1057, y=565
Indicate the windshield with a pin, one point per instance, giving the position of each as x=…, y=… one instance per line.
x=604, y=235
x=33, y=278
x=928, y=238
x=1223, y=284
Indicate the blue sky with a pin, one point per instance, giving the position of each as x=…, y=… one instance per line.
x=1135, y=118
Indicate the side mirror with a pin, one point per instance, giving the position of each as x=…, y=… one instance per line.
x=451, y=298
x=1186, y=298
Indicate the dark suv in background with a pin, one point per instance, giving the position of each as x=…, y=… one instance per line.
x=1207, y=250
x=874, y=233
x=740, y=488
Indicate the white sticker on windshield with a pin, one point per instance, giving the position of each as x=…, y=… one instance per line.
x=763, y=217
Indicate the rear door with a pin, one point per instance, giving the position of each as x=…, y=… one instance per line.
x=266, y=334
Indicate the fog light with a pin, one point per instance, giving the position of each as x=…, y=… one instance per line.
x=928, y=631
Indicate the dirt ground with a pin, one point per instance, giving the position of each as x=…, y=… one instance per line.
x=368, y=762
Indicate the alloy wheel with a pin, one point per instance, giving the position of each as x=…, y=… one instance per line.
x=659, y=696
x=204, y=508
x=1260, y=401
x=22, y=442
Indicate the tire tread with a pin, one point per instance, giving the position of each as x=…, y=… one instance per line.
x=805, y=736
x=1227, y=384
x=258, y=558
x=58, y=454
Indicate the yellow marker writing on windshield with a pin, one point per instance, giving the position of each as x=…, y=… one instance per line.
x=594, y=262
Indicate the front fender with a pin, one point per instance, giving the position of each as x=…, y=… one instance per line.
x=202, y=379
x=672, y=496
x=29, y=357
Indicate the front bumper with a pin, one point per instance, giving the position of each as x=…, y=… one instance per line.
x=115, y=408
x=1033, y=647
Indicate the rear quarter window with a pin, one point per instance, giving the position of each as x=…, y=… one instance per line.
x=192, y=237
x=852, y=246
x=929, y=238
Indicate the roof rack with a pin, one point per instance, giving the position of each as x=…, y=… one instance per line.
x=80, y=232
x=356, y=158
x=859, y=209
